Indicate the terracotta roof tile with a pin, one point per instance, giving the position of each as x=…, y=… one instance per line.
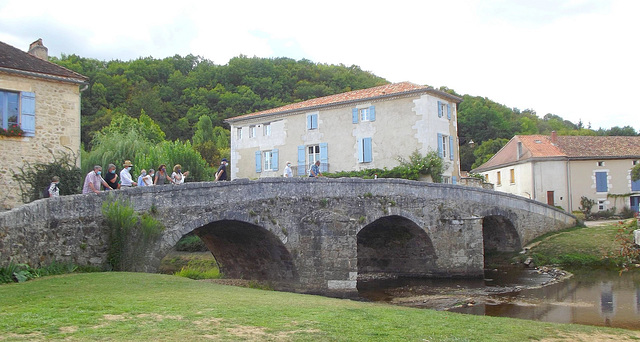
x=599, y=146
x=13, y=58
x=363, y=94
x=570, y=147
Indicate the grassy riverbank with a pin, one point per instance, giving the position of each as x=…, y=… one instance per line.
x=598, y=245
x=153, y=307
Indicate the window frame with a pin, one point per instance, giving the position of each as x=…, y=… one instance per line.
x=267, y=160
x=252, y=131
x=266, y=129
x=512, y=176
x=313, y=154
x=312, y=121
x=498, y=178
x=4, y=106
x=364, y=114
x=239, y=133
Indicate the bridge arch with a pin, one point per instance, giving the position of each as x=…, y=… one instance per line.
x=247, y=251
x=499, y=234
x=393, y=246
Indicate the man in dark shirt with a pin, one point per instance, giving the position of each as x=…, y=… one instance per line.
x=111, y=178
x=221, y=174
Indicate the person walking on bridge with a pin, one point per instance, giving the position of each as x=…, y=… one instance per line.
x=221, y=174
x=93, y=180
x=125, y=175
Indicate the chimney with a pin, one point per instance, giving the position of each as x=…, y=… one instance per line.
x=37, y=49
x=554, y=137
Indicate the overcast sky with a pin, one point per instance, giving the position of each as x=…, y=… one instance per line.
x=579, y=59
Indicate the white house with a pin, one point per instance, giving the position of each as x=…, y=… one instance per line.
x=357, y=130
x=560, y=170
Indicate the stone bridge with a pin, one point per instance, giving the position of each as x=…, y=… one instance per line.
x=305, y=235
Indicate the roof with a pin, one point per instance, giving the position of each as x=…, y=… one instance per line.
x=387, y=90
x=15, y=59
x=566, y=147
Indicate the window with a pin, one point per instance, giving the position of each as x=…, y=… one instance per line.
x=512, y=176
x=635, y=162
x=486, y=177
x=239, y=133
x=499, y=179
x=252, y=131
x=602, y=204
x=312, y=121
x=18, y=109
x=363, y=114
x=266, y=160
x=313, y=153
x=600, y=163
x=365, y=153
x=444, y=108
x=267, y=130
x=601, y=181
x=446, y=180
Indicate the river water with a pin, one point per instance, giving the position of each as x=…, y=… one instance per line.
x=594, y=297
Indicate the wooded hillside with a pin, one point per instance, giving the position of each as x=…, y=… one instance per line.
x=185, y=94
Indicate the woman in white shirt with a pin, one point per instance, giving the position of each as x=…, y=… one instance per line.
x=177, y=176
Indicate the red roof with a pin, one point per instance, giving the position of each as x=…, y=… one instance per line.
x=352, y=96
x=565, y=147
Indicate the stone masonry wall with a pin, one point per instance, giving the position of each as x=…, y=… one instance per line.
x=57, y=130
x=316, y=220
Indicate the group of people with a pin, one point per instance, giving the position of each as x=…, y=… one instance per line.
x=94, y=179
x=314, y=170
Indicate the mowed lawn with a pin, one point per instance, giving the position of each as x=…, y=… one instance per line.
x=153, y=307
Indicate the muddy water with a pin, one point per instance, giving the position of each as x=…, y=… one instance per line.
x=588, y=297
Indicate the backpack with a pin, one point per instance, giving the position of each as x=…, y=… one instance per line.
x=45, y=192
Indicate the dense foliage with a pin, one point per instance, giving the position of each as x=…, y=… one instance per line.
x=34, y=178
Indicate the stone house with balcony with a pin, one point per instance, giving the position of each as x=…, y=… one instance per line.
x=42, y=99
x=559, y=170
x=361, y=129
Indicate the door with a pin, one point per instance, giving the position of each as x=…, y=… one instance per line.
x=635, y=203
x=550, y=198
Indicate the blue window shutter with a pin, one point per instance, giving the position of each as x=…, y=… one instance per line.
x=450, y=148
x=314, y=121
x=258, y=161
x=440, y=144
x=324, y=157
x=28, y=113
x=372, y=113
x=360, y=153
x=309, y=122
x=274, y=159
x=454, y=180
x=366, y=147
x=439, y=109
x=302, y=167
x=601, y=182
x=354, y=115
x=448, y=111
x=635, y=186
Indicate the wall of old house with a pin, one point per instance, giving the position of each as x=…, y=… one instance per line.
x=57, y=130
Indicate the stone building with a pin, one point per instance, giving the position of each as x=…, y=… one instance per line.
x=42, y=99
x=560, y=170
x=361, y=129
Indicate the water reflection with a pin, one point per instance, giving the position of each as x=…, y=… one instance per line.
x=594, y=298
x=590, y=297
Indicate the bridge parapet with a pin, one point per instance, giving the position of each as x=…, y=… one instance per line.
x=314, y=234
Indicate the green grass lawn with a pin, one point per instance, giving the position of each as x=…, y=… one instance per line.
x=153, y=307
x=587, y=246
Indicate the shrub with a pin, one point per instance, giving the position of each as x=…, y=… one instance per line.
x=22, y=272
x=33, y=178
x=585, y=206
x=125, y=242
x=191, y=243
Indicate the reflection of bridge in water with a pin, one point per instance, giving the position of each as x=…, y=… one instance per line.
x=306, y=235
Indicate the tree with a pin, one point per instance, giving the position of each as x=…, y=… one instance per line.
x=488, y=149
x=635, y=173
